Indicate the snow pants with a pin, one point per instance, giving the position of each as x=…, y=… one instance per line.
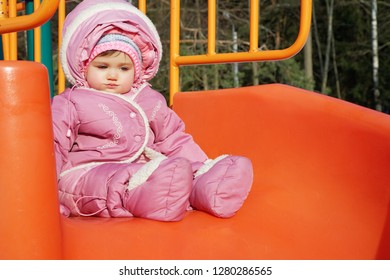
x=164, y=190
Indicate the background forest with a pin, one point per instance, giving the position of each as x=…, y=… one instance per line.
x=342, y=58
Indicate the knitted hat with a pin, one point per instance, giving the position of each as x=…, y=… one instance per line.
x=90, y=20
x=119, y=42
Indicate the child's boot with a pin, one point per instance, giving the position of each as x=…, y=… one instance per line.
x=162, y=195
x=222, y=185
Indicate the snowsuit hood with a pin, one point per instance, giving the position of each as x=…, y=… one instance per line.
x=85, y=25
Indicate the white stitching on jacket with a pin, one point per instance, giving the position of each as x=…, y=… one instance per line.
x=116, y=122
x=155, y=110
x=136, y=155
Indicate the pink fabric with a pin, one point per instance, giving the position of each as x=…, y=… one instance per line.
x=165, y=196
x=228, y=181
x=100, y=189
x=105, y=127
x=103, y=141
x=85, y=25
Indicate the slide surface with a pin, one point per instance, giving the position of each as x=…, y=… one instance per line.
x=321, y=188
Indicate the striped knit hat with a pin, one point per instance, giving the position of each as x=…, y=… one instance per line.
x=119, y=42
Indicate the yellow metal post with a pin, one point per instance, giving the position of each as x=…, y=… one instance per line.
x=61, y=19
x=142, y=6
x=174, y=49
x=4, y=37
x=13, y=36
x=254, y=26
x=37, y=36
x=212, y=12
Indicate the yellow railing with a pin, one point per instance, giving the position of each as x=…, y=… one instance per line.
x=61, y=18
x=45, y=11
x=10, y=39
x=10, y=23
x=211, y=57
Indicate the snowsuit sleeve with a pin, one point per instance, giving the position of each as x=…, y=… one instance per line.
x=171, y=138
x=65, y=128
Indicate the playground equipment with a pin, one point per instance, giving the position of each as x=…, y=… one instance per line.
x=38, y=39
x=321, y=187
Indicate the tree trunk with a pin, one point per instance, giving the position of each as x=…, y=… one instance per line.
x=316, y=35
x=329, y=6
x=375, y=55
x=277, y=29
x=216, y=66
x=308, y=58
x=336, y=72
x=255, y=71
x=199, y=20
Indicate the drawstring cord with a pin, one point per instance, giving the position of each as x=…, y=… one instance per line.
x=91, y=214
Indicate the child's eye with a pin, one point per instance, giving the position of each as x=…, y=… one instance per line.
x=125, y=68
x=101, y=66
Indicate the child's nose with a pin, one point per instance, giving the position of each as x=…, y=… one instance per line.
x=112, y=74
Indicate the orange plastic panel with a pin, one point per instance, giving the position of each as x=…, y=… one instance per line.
x=29, y=221
x=321, y=188
x=321, y=182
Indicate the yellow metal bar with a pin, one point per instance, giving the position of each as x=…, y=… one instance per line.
x=174, y=48
x=6, y=50
x=254, y=26
x=25, y=22
x=13, y=37
x=5, y=37
x=254, y=54
x=142, y=6
x=3, y=9
x=257, y=55
x=37, y=36
x=61, y=19
x=211, y=27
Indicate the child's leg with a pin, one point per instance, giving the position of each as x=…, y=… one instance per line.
x=222, y=189
x=96, y=191
x=158, y=192
x=164, y=195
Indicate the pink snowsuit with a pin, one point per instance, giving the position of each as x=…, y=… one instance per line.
x=123, y=155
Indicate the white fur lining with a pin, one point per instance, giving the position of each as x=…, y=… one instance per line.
x=208, y=164
x=138, y=90
x=147, y=169
x=90, y=12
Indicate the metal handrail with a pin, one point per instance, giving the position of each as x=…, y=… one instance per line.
x=211, y=57
x=45, y=11
x=48, y=7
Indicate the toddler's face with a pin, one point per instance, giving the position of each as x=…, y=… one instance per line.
x=111, y=73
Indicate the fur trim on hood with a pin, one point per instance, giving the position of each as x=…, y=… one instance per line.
x=90, y=20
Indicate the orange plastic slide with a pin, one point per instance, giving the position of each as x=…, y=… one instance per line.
x=321, y=189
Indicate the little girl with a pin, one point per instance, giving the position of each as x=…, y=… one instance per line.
x=120, y=150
